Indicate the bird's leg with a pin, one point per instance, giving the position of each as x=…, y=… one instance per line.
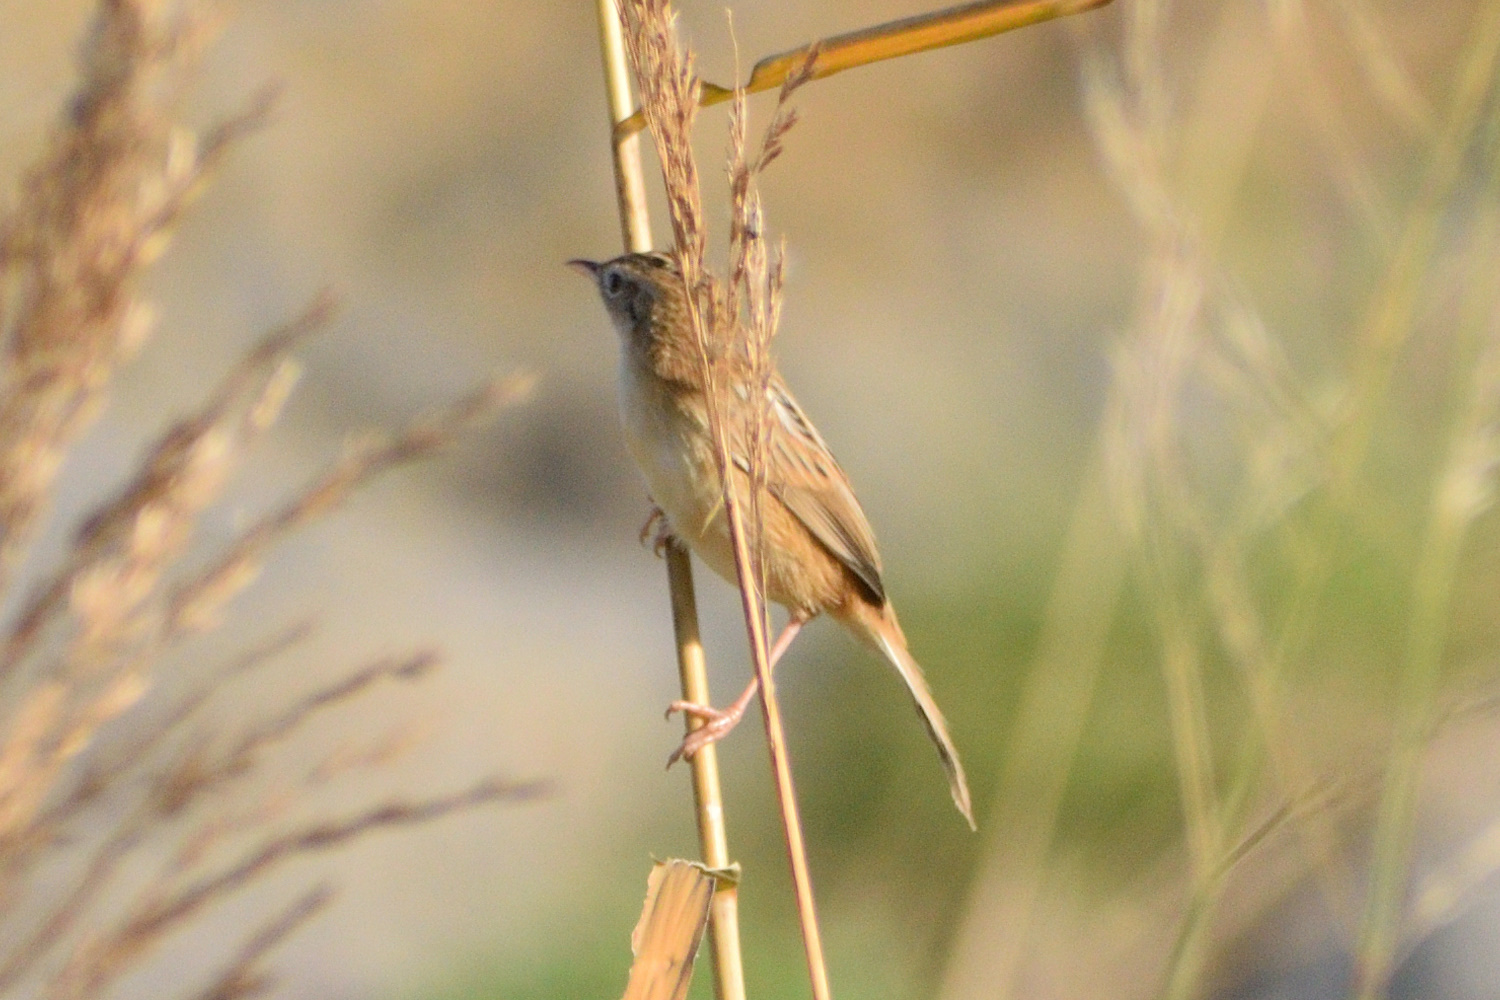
x=717, y=722
x=659, y=529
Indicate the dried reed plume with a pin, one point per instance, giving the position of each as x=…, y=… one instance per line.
x=76, y=811
x=735, y=320
x=734, y=323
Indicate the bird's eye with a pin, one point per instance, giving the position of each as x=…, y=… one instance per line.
x=613, y=283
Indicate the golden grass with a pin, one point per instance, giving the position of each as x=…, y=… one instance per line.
x=88, y=640
x=1200, y=551
x=1264, y=808
x=733, y=323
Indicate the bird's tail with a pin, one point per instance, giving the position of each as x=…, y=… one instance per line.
x=879, y=628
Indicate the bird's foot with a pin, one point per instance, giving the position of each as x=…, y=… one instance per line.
x=717, y=722
x=658, y=529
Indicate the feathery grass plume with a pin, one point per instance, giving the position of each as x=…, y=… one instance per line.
x=734, y=320
x=164, y=785
x=733, y=348
x=752, y=295
x=734, y=354
x=89, y=217
x=1200, y=357
x=112, y=841
x=668, y=91
x=1198, y=338
x=78, y=645
x=180, y=780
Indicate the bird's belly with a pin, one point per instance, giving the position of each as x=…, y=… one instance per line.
x=674, y=455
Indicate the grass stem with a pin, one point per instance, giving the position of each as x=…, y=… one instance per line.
x=635, y=225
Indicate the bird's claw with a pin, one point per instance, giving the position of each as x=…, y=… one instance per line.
x=658, y=529
x=716, y=725
x=705, y=713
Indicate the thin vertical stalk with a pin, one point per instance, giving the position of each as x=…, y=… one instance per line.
x=1391, y=319
x=781, y=764
x=724, y=925
x=630, y=185
x=669, y=96
x=1182, y=669
x=1460, y=491
x=1431, y=594
x=1054, y=706
x=635, y=227
x=755, y=624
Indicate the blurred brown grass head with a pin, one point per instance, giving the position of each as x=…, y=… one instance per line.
x=89, y=632
x=734, y=320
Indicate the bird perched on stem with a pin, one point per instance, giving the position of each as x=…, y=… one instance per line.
x=818, y=550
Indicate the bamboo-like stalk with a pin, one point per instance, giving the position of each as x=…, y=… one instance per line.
x=669, y=92
x=635, y=226
x=670, y=95
x=708, y=798
x=953, y=26
x=630, y=185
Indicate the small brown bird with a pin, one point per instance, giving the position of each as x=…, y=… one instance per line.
x=820, y=553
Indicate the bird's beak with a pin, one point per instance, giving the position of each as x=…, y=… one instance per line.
x=589, y=268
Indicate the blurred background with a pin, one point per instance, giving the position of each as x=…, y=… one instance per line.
x=988, y=248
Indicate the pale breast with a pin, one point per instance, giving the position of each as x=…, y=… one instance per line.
x=671, y=447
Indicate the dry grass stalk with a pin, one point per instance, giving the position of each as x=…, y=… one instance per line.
x=87, y=629
x=965, y=22
x=665, y=940
x=1199, y=542
x=243, y=977
x=172, y=773
x=1463, y=488
x=80, y=808
x=170, y=907
x=91, y=216
x=1196, y=333
x=692, y=667
x=734, y=350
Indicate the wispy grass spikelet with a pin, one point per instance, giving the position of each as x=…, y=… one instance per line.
x=170, y=789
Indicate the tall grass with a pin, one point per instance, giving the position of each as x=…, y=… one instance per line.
x=733, y=323
x=1255, y=484
x=114, y=840
x=1238, y=484
x=1229, y=468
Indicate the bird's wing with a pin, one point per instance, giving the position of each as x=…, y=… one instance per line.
x=803, y=475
